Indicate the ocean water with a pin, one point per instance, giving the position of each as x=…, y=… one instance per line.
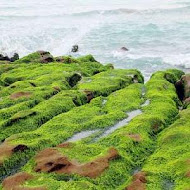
x=157, y=33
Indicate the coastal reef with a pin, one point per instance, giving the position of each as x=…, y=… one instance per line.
x=74, y=123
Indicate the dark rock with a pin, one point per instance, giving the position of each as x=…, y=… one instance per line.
x=15, y=57
x=11, y=59
x=4, y=58
x=89, y=95
x=180, y=89
x=74, y=79
x=124, y=49
x=75, y=48
x=183, y=87
x=20, y=148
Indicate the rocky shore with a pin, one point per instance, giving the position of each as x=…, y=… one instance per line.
x=128, y=135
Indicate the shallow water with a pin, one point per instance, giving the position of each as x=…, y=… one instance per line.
x=121, y=123
x=81, y=135
x=168, y=185
x=156, y=32
x=147, y=102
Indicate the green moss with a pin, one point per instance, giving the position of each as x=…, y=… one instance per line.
x=155, y=118
x=31, y=58
x=46, y=120
x=171, y=158
x=106, y=82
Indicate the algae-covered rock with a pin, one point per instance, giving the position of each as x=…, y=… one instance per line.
x=37, y=57
x=136, y=136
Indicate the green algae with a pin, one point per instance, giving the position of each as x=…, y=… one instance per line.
x=161, y=111
x=61, y=116
x=171, y=158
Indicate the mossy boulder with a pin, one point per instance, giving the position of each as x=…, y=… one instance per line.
x=37, y=57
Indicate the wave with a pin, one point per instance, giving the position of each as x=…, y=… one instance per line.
x=181, y=60
x=119, y=11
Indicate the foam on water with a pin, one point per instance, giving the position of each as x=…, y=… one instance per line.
x=156, y=33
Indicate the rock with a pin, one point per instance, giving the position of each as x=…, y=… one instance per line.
x=138, y=182
x=89, y=95
x=187, y=101
x=65, y=59
x=75, y=48
x=124, y=49
x=45, y=56
x=51, y=160
x=15, y=57
x=186, y=80
x=37, y=57
x=57, y=88
x=19, y=148
x=72, y=80
x=4, y=58
x=16, y=181
x=17, y=95
x=183, y=87
x=65, y=145
x=11, y=59
x=7, y=149
x=60, y=59
x=180, y=89
x=135, y=137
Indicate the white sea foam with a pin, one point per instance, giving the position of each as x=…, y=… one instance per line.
x=155, y=32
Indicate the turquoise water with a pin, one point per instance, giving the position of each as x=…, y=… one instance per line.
x=156, y=33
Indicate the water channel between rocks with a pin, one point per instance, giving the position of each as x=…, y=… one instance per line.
x=87, y=133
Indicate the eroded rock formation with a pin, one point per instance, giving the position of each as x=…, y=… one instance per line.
x=51, y=160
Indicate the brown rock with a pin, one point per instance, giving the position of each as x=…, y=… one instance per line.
x=186, y=80
x=14, y=182
x=17, y=95
x=51, y=160
x=45, y=57
x=183, y=87
x=187, y=101
x=135, y=137
x=57, y=88
x=188, y=174
x=65, y=145
x=89, y=95
x=138, y=182
x=156, y=127
x=7, y=149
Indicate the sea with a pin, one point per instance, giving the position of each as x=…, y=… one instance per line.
x=157, y=33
